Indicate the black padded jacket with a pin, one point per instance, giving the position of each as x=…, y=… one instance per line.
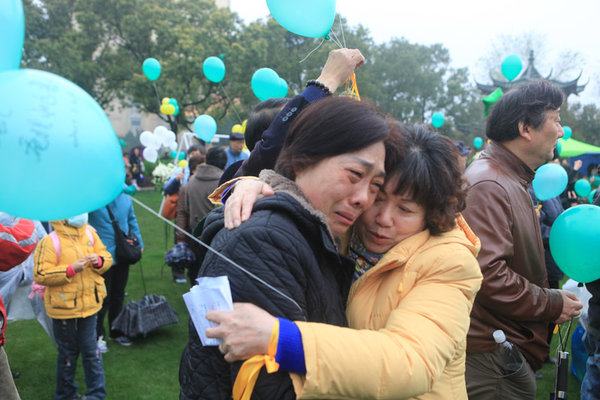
x=286, y=243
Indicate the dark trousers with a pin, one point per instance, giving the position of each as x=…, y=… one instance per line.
x=486, y=381
x=115, y=280
x=75, y=336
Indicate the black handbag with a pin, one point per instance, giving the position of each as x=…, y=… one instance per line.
x=128, y=250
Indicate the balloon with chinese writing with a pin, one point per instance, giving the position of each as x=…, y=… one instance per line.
x=478, y=142
x=205, y=127
x=12, y=31
x=437, y=119
x=511, y=66
x=574, y=235
x=151, y=68
x=59, y=153
x=550, y=181
x=567, y=132
x=310, y=18
x=214, y=69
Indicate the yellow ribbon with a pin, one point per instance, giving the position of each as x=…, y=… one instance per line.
x=352, y=92
x=246, y=378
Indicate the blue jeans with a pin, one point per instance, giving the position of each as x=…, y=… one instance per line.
x=590, y=386
x=74, y=336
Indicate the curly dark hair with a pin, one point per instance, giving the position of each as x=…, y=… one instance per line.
x=429, y=171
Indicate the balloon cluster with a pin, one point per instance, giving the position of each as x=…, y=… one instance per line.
x=169, y=106
x=153, y=141
x=52, y=130
x=266, y=83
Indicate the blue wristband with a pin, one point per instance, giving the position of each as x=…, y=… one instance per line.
x=290, y=352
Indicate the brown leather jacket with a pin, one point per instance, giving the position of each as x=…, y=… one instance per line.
x=514, y=295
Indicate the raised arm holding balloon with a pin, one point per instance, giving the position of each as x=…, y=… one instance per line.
x=338, y=68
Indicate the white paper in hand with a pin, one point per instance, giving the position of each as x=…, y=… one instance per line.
x=211, y=293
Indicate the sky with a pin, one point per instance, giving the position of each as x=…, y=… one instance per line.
x=468, y=28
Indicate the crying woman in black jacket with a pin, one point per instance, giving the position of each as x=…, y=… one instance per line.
x=329, y=171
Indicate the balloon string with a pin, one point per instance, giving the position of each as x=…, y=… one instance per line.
x=230, y=102
x=342, y=29
x=156, y=92
x=218, y=254
x=335, y=39
x=309, y=54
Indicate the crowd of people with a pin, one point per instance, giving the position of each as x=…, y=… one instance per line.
x=381, y=264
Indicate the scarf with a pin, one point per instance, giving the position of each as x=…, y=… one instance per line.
x=363, y=260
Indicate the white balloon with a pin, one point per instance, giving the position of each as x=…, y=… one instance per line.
x=147, y=138
x=160, y=131
x=150, y=154
x=172, y=145
x=171, y=138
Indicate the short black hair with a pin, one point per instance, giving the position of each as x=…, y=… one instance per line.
x=196, y=160
x=429, y=171
x=260, y=118
x=217, y=157
x=196, y=147
x=525, y=103
x=330, y=127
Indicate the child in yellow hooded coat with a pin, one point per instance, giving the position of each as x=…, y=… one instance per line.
x=70, y=263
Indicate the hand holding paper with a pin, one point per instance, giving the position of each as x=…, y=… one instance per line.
x=211, y=293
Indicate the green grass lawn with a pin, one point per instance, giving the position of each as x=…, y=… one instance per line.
x=149, y=368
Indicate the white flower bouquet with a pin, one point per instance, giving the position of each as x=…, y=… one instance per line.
x=162, y=173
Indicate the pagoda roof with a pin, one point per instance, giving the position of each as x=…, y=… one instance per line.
x=530, y=74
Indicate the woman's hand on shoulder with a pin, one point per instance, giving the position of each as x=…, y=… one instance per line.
x=240, y=203
x=245, y=331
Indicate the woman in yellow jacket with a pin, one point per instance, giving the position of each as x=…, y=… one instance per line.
x=417, y=277
x=70, y=262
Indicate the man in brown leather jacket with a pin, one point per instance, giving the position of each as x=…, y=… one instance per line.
x=524, y=126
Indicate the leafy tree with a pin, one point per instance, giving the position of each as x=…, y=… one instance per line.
x=584, y=120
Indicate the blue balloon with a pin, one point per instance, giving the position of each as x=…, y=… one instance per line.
x=574, y=237
x=311, y=18
x=511, y=66
x=58, y=151
x=478, y=142
x=12, y=32
x=265, y=84
x=583, y=188
x=283, y=88
x=437, y=119
x=151, y=68
x=214, y=69
x=591, y=196
x=550, y=181
x=558, y=147
x=205, y=127
x=567, y=132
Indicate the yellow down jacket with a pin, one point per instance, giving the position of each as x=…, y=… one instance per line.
x=410, y=317
x=82, y=294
